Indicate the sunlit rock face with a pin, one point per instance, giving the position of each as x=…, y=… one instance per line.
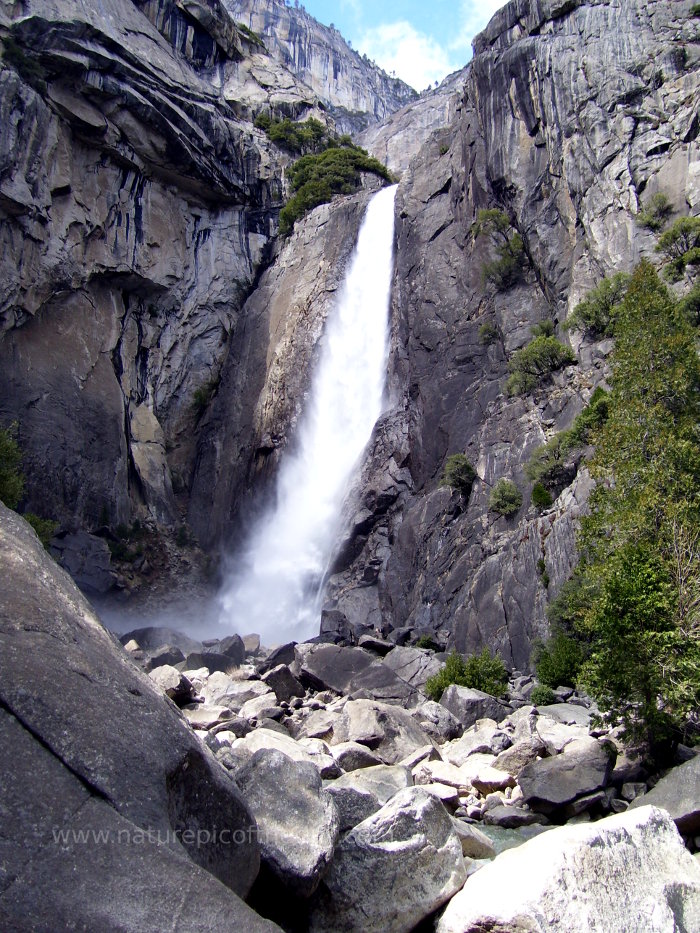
x=358, y=92
x=570, y=117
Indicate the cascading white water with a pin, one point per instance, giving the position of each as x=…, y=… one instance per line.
x=276, y=587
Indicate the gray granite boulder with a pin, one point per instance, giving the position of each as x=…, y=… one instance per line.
x=583, y=767
x=678, y=792
x=389, y=731
x=623, y=873
x=297, y=820
x=468, y=705
x=392, y=870
x=99, y=746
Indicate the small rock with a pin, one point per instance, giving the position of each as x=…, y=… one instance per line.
x=173, y=683
x=631, y=790
x=284, y=684
x=351, y=756
x=475, y=844
x=204, y=717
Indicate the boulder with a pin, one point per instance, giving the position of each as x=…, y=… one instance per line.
x=351, y=756
x=468, y=705
x=475, y=844
x=515, y=758
x=87, y=559
x=679, y=794
x=157, y=636
x=382, y=781
x=283, y=742
x=284, y=683
x=221, y=690
x=351, y=671
x=414, y=665
x=107, y=728
x=353, y=805
x=442, y=771
x=378, y=645
x=489, y=779
x=261, y=707
x=389, y=731
x=623, y=873
x=508, y=817
x=437, y=721
x=173, y=683
x=232, y=647
x=106, y=873
x=297, y=820
x=483, y=737
x=168, y=654
x=583, y=767
x=212, y=659
x=392, y=870
x=202, y=716
x=251, y=643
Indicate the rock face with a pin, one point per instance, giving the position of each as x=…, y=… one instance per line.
x=570, y=118
x=357, y=91
x=628, y=872
x=109, y=753
x=407, y=848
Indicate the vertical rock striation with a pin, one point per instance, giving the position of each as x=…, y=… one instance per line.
x=571, y=117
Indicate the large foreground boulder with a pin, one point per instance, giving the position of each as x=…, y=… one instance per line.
x=624, y=873
x=678, y=793
x=97, y=745
x=297, y=819
x=391, y=870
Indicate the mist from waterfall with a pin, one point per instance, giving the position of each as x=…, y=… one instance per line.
x=275, y=589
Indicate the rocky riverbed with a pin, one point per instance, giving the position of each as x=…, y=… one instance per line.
x=167, y=783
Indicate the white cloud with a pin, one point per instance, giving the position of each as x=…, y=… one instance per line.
x=419, y=59
x=474, y=16
x=416, y=58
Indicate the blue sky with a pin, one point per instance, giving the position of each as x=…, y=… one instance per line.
x=422, y=42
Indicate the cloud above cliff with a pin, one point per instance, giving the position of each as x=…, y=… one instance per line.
x=422, y=55
x=399, y=47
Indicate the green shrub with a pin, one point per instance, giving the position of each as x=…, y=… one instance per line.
x=655, y=212
x=459, y=474
x=529, y=366
x=505, y=498
x=543, y=329
x=315, y=179
x=541, y=497
x=680, y=245
x=426, y=642
x=595, y=315
x=559, y=661
x=690, y=305
x=11, y=477
x=488, y=333
x=480, y=672
x=203, y=396
x=542, y=571
x=510, y=266
x=308, y=136
x=549, y=465
x=444, y=149
x=543, y=696
x=695, y=10
x=44, y=527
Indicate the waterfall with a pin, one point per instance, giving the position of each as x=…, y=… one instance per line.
x=276, y=587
